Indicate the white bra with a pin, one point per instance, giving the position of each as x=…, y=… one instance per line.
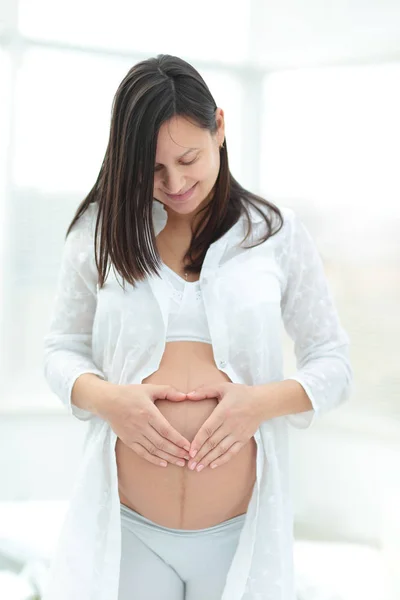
x=187, y=320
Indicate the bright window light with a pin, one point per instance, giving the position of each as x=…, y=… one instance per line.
x=209, y=30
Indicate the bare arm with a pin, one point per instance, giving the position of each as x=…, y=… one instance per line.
x=92, y=393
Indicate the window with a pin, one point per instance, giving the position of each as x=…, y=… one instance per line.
x=60, y=116
x=62, y=131
x=145, y=26
x=330, y=150
x=322, y=140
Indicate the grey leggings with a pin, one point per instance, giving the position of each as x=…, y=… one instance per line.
x=160, y=563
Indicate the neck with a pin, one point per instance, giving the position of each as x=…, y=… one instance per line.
x=177, y=222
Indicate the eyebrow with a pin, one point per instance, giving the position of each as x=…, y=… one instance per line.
x=182, y=155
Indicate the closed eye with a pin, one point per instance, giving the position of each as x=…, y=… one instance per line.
x=182, y=163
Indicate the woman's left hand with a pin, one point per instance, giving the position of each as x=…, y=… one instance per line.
x=232, y=423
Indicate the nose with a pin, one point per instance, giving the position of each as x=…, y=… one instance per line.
x=174, y=182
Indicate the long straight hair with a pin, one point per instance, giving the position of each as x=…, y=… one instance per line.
x=152, y=92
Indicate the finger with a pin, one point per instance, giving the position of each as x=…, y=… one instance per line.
x=204, y=392
x=164, y=445
x=212, y=442
x=223, y=458
x=162, y=454
x=168, y=393
x=160, y=424
x=141, y=451
x=208, y=428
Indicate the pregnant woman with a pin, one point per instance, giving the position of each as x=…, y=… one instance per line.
x=174, y=359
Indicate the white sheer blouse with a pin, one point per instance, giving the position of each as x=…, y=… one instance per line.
x=120, y=336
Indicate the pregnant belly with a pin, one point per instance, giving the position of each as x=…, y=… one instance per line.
x=175, y=496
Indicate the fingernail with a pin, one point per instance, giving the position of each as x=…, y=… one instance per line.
x=193, y=453
x=214, y=466
x=199, y=468
x=180, y=463
x=193, y=466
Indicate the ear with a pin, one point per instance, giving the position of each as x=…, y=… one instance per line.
x=220, y=121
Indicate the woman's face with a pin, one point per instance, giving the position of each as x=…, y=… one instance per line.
x=187, y=164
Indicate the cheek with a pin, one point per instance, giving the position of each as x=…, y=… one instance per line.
x=200, y=174
x=208, y=170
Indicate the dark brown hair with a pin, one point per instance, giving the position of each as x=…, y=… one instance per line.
x=152, y=92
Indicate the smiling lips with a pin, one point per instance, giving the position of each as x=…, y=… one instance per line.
x=183, y=196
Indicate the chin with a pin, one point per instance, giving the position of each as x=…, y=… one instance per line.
x=183, y=208
x=186, y=208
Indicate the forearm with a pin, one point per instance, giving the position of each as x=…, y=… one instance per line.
x=92, y=393
x=279, y=398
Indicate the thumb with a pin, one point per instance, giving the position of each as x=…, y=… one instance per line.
x=203, y=392
x=172, y=394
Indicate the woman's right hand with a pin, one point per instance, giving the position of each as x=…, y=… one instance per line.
x=139, y=424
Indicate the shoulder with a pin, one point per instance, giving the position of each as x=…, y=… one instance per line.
x=79, y=244
x=283, y=220
x=288, y=238
x=85, y=224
